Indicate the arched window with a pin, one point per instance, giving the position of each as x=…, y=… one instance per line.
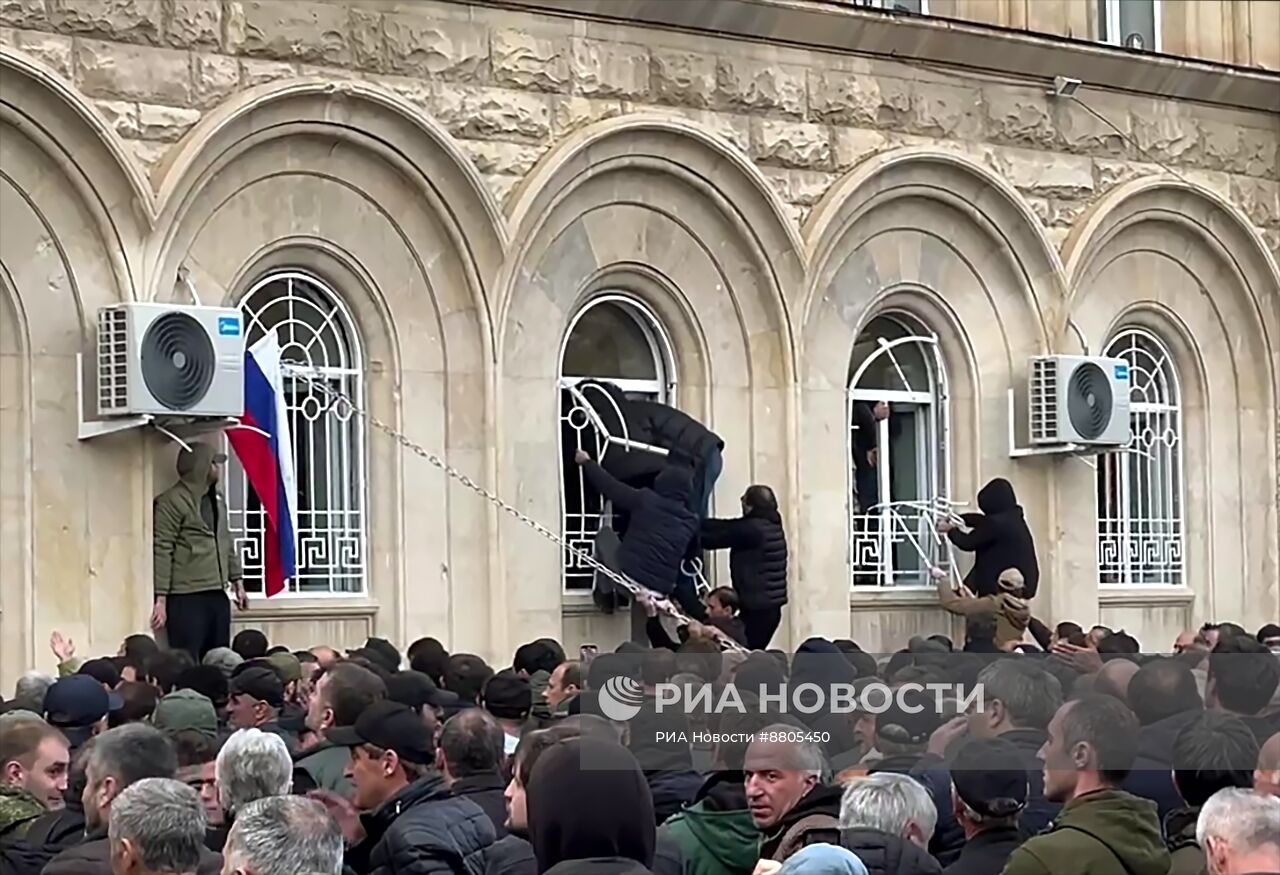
x=898, y=465
x=317, y=339
x=618, y=339
x=1140, y=489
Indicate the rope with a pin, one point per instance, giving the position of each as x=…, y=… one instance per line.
x=663, y=604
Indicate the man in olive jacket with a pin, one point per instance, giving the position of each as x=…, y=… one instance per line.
x=195, y=557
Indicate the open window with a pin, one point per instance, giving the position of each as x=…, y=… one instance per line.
x=1134, y=24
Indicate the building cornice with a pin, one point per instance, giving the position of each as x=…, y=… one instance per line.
x=829, y=25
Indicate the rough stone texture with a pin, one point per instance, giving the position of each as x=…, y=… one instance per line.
x=128, y=20
x=313, y=32
x=502, y=186
x=1055, y=212
x=491, y=112
x=8, y=37
x=603, y=69
x=522, y=60
x=165, y=123
x=859, y=99
x=569, y=113
x=803, y=187
x=150, y=153
x=745, y=84
x=511, y=159
x=1259, y=198
x=1164, y=135
x=1018, y=118
x=214, y=78
x=946, y=111
x=1110, y=173
x=1046, y=175
x=24, y=13
x=1080, y=131
x=418, y=45
x=791, y=144
x=119, y=70
x=194, y=24
x=253, y=72
x=1238, y=149
x=734, y=129
x=50, y=48
x=854, y=145
x=367, y=43
x=682, y=77
x=121, y=115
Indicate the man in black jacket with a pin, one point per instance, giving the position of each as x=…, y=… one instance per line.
x=757, y=548
x=1165, y=699
x=411, y=824
x=987, y=797
x=999, y=538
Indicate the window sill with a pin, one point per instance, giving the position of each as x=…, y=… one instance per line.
x=1155, y=594
x=863, y=598
x=579, y=604
x=302, y=608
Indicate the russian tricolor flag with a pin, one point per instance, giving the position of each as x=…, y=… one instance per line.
x=265, y=450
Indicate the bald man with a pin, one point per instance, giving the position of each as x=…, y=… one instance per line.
x=1113, y=679
x=1266, y=777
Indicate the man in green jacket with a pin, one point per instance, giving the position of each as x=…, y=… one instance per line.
x=195, y=557
x=1101, y=830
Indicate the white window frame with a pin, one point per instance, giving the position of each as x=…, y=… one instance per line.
x=661, y=389
x=350, y=548
x=1110, y=25
x=933, y=424
x=888, y=5
x=1121, y=542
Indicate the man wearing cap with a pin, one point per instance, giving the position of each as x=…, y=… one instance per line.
x=508, y=697
x=195, y=557
x=78, y=705
x=987, y=796
x=186, y=711
x=257, y=696
x=410, y=822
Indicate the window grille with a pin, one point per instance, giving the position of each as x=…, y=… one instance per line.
x=317, y=339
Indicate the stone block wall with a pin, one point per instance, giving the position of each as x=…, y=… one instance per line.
x=508, y=86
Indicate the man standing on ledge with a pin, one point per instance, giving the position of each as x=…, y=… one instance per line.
x=195, y=557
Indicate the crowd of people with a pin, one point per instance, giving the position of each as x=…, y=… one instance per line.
x=1088, y=757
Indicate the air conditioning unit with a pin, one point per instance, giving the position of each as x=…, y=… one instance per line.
x=1079, y=400
x=170, y=360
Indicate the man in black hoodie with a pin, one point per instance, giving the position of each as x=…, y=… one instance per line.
x=788, y=801
x=757, y=548
x=999, y=538
x=590, y=811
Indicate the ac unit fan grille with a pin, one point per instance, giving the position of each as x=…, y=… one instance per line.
x=1089, y=401
x=178, y=361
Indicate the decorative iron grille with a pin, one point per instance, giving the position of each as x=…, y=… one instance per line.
x=318, y=340
x=1140, y=516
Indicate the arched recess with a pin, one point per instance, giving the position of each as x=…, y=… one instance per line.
x=17, y=607
x=356, y=188
x=655, y=209
x=938, y=237
x=73, y=212
x=1185, y=261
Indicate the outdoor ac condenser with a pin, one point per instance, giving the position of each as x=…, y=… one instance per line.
x=1079, y=400
x=170, y=360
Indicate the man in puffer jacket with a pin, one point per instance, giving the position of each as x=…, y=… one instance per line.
x=757, y=548
x=886, y=820
x=412, y=824
x=660, y=529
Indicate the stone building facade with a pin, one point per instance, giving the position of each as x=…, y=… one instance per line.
x=746, y=195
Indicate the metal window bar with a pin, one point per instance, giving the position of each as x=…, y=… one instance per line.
x=319, y=346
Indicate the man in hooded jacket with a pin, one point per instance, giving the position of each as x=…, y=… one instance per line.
x=194, y=556
x=757, y=548
x=590, y=811
x=1008, y=607
x=999, y=539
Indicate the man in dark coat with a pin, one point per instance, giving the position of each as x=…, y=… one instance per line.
x=590, y=811
x=194, y=557
x=412, y=824
x=1164, y=697
x=987, y=797
x=661, y=525
x=757, y=548
x=886, y=819
x=999, y=538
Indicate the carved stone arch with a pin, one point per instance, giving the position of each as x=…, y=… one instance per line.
x=1163, y=245
x=17, y=594
x=357, y=188
x=653, y=207
x=944, y=238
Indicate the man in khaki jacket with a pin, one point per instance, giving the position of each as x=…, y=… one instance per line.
x=1011, y=611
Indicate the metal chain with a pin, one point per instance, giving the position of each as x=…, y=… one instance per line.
x=664, y=604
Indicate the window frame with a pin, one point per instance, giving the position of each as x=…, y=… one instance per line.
x=663, y=388
x=1175, y=576
x=936, y=465
x=1109, y=25
x=887, y=6
x=356, y=463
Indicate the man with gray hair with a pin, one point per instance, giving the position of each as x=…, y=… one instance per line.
x=252, y=765
x=789, y=802
x=28, y=692
x=157, y=828
x=1240, y=833
x=283, y=835
x=887, y=819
